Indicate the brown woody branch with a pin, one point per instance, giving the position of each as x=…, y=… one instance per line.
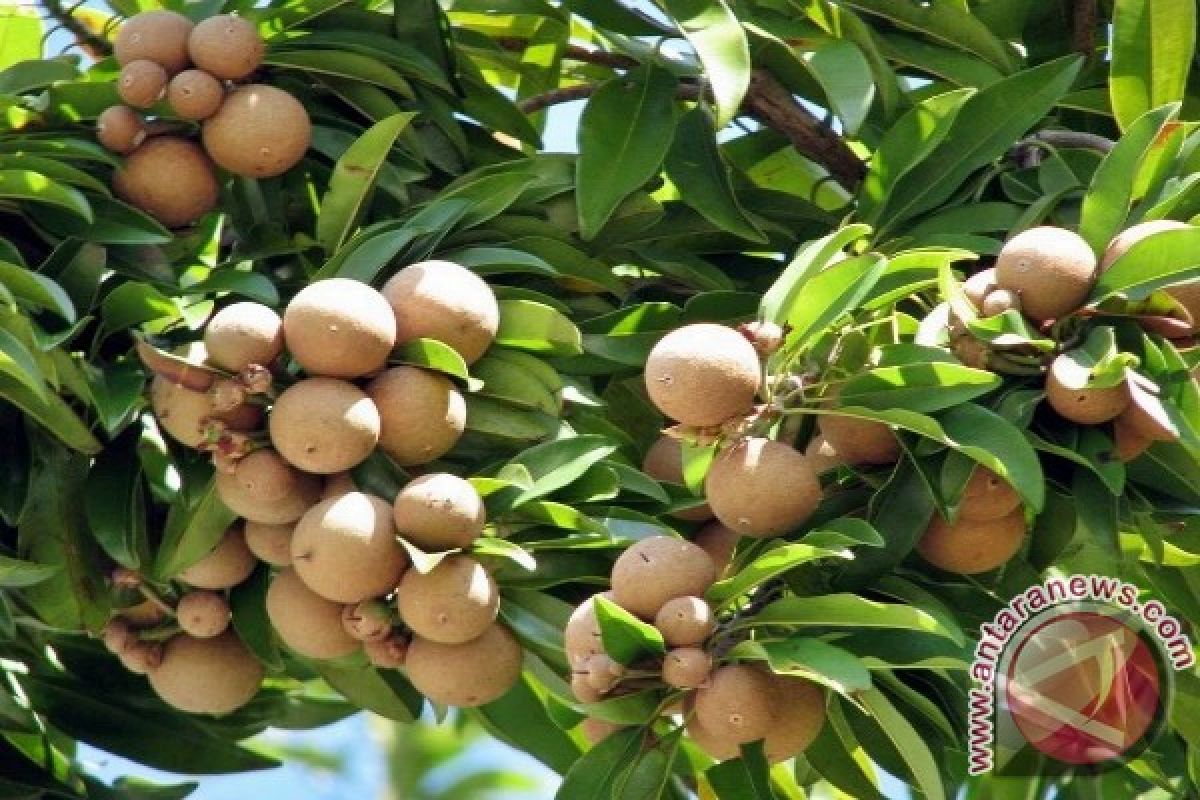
x=96, y=46
x=1083, y=27
x=574, y=53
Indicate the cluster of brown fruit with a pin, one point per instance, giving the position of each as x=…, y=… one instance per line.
x=253, y=130
x=342, y=570
x=662, y=580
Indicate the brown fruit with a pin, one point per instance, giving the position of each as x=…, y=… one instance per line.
x=1067, y=393
x=142, y=83
x=324, y=425
x=1000, y=300
x=685, y=621
x=368, y=621
x=270, y=543
x=1127, y=238
x=859, y=441
x=987, y=496
x=265, y=488
x=703, y=374
x=603, y=673
x=229, y=47
x=582, y=689
x=1051, y=269
x=169, y=178
x=686, y=667
x=194, y=94
x=454, y=602
x=799, y=707
x=1128, y=440
x=305, y=621
x=120, y=129
x=339, y=328
x=421, y=414
x=118, y=636
x=229, y=563
x=597, y=730
x=736, y=704
x=581, y=636
x=969, y=547
x=720, y=748
x=657, y=569
x=821, y=455
x=979, y=285
x=242, y=334
x=145, y=614
x=345, y=548
x=719, y=542
x=185, y=414
x=141, y=658
x=439, y=512
x=337, y=485
x=389, y=652
x=259, y=132
x=664, y=462
x=207, y=676
x=469, y=674
x=444, y=301
x=158, y=36
x=759, y=487
x=202, y=614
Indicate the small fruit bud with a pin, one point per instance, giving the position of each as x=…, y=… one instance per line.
x=117, y=636
x=256, y=379
x=203, y=614
x=141, y=657
x=686, y=668
x=603, y=674
x=998, y=301
x=387, y=653
x=767, y=337
x=227, y=395
x=583, y=690
x=124, y=578
x=368, y=621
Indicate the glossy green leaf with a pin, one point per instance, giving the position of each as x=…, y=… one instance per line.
x=1154, y=262
x=1152, y=46
x=520, y=718
x=817, y=660
x=17, y=363
x=33, y=187
x=845, y=75
x=537, y=328
x=116, y=504
x=924, y=387
x=770, y=564
x=432, y=354
x=192, y=532
x=720, y=42
x=626, y=638
x=810, y=259
x=52, y=412
x=744, y=778
x=831, y=294
x=947, y=23
x=554, y=465
x=849, y=611
x=342, y=64
x=37, y=291
x=18, y=574
x=623, y=759
x=384, y=692
x=908, y=742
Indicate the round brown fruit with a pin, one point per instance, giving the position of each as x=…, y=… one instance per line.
x=194, y=94
x=324, y=425
x=664, y=462
x=169, y=178
x=141, y=84
x=979, y=285
x=270, y=543
x=390, y=652
x=581, y=635
x=987, y=496
x=969, y=547
x=1128, y=441
x=719, y=748
x=1000, y=300
x=207, y=676
x=719, y=542
x=183, y=413
x=145, y=614
x=259, y=132
x=439, y=512
x=859, y=441
x=703, y=374
x=583, y=690
x=444, y=301
x=242, y=334
x=1051, y=270
x=229, y=563
x=229, y=47
x=656, y=569
x=345, y=548
x=821, y=455
x=368, y=621
x=158, y=36
x=118, y=635
x=736, y=704
x=141, y=658
x=1068, y=394
x=799, y=708
x=603, y=673
x=469, y=674
x=685, y=621
x=454, y=602
x=759, y=487
x=421, y=414
x=305, y=621
x=686, y=667
x=339, y=328
x=120, y=129
x=337, y=485
x=202, y=614
x=265, y=488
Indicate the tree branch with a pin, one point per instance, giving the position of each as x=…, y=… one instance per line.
x=574, y=52
x=1083, y=27
x=96, y=46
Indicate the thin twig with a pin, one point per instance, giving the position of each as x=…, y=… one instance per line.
x=96, y=46
x=1083, y=27
x=574, y=52
x=730, y=638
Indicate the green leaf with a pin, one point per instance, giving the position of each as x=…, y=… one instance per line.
x=342, y=64
x=34, y=74
x=810, y=259
x=810, y=658
x=1110, y=194
x=435, y=355
x=1163, y=259
x=33, y=187
x=839, y=758
x=20, y=35
x=384, y=692
x=845, y=74
x=720, y=42
x=626, y=638
x=253, y=285
x=520, y=719
x=744, y=778
x=623, y=135
x=19, y=364
x=52, y=412
x=353, y=180
x=946, y=22
x=832, y=293
x=849, y=611
x=907, y=741
x=192, y=532
x=923, y=387
x=116, y=504
x=18, y=574
x=1152, y=46
x=616, y=767
x=769, y=565
x=37, y=291
x=537, y=328
x=554, y=465
x=248, y=602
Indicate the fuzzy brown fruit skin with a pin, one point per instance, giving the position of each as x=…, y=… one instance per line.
x=194, y=94
x=979, y=285
x=736, y=704
x=169, y=178
x=760, y=488
x=859, y=441
x=454, y=602
x=686, y=667
x=226, y=46
x=182, y=413
x=998, y=301
x=421, y=414
x=1128, y=441
x=141, y=658
x=259, y=132
x=338, y=485
x=799, y=708
x=597, y=730
x=345, y=548
x=226, y=565
x=1051, y=270
x=582, y=689
x=242, y=334
x=719, y=542
x=664, y=462
x=120, y=129
x=270, y=543
x=439, y=512
x=207, y=676
x=202, y=614
x=145, y=614
x=158, y=36
x=141, y=83
x=657, y=569
x=581, y=635
x=685, y=621
x=324, y=425
x=603, y=673
x=339, y=328
x=821, y=455
x=390, y=652
x=1082, y=406
x=719, y=748
x=305, y=621
x=703, y=374
x=265, y=488
x=987, y=496
x=1186, y=294
x=368, y=621
x=444, y=301
x=118, y=635
x=469, y=674
x=970, y=547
